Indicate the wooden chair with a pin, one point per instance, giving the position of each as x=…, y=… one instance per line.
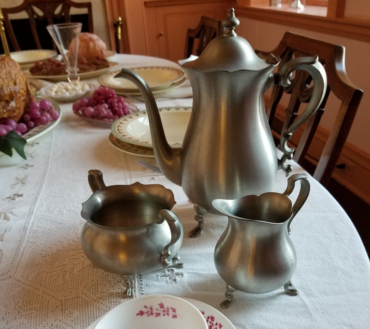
x=332, y=57
x=207, y=29
x=48, y=9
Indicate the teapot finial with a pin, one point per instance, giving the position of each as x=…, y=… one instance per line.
x=230, y=23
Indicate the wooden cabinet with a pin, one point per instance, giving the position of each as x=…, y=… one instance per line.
x=167, y=23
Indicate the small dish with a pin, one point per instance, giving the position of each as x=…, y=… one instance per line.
x=25, y=57
x=155, y=312
x=105, y=124
x=47, y=92
x=134, y=128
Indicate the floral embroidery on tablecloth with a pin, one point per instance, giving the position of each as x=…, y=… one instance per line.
x=170, y=275
x=159, y=311
x=14, y=196
x=20, y=181
x=5, y=214
x=26, y=166
x=2, y=233
x=212, y=324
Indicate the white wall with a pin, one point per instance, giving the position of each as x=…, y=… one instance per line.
x=266, y=36
x=99, y=16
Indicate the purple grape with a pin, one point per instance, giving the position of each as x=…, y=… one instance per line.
x=18, y=132
x=22, y=128
x=102, y=112
x=43, y=119
x=89, y=111
x=109, y=114
x=8, y=128
x=76, y=106
x=34, y=105
x=120, y=113
x=3, y=132
x=30, y=124
x=11, y=122
x=35, y=114
x=54, y=114
x=45, y=105
x=37, y=122
x=84, y=102
x=26, y=118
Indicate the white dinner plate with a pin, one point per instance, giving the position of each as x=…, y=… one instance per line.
x=153, y=311
x=214, y=318
x=85, y=75
x=131, y=148
x=156, y=78
x=134, y=128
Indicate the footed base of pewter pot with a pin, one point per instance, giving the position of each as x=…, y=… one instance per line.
x=229, y=294
x=199, y=217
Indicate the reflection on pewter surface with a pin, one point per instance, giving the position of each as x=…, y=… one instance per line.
x=255, y=253
x=228, y=149
x=130, y=229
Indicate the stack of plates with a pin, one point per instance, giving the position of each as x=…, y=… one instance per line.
x=27, y=58
x=159, y=80
x=131, y=134
x=161, y=311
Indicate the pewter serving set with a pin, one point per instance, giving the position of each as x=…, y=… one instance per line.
x=228, y=81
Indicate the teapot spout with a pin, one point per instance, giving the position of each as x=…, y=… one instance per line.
x=168, y=159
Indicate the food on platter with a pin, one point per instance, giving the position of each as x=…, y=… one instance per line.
x=90, y=47
x=15, y=93
x=53, y=67
x=103, y=105
x=36, y=114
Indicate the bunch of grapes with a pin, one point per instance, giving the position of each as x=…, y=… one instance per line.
x=103, y=105
x=38, y=113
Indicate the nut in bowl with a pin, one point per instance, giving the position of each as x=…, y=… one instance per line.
x=155, y=312
x=67, y=91
x=103, y=107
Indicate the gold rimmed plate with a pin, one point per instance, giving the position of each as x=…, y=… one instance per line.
x=130, y=148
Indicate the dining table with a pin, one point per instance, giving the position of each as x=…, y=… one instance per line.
x=46, y=281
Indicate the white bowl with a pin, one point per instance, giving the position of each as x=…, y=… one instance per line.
x=154, y=312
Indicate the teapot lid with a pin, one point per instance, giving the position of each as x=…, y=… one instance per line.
x=228, y=52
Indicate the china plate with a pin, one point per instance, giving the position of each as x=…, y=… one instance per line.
x=153, y=311
x=43, y=129
x=215, y=319
x=156, y=78
x=101, y=123
x=134, y=128
x=85, y=75
x=130, y=148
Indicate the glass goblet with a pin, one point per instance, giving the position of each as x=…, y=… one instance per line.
x=66, y=37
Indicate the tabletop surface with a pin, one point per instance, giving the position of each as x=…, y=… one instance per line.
x=46, y=281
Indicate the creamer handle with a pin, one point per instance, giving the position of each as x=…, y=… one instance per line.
x=303, y=193
x=177, y=232
x=318, y=74
x=95, y=179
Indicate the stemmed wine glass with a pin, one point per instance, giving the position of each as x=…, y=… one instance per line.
x=66, y=37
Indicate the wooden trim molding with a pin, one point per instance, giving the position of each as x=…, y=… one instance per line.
x=348, y=28
x=166, y=3
x=356, y=174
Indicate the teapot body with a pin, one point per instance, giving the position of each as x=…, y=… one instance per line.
x=228, y=150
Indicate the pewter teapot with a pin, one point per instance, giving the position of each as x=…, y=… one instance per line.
x=255, y=253
x=228, y=149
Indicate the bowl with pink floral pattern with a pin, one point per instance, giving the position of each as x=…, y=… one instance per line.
x=154, y=312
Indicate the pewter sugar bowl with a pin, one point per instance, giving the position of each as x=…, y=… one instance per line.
x=130, y=229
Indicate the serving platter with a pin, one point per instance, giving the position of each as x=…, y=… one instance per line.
x=41, y=130
x=85, y=75
x=134, y=128
x=157, y=78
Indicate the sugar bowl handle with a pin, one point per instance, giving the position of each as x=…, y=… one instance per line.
x=303, y=193
x=176, y=231
x=95, y=179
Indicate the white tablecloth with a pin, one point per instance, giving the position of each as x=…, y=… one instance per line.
x=47, y=282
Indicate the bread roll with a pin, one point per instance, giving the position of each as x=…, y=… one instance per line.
x=90, y=47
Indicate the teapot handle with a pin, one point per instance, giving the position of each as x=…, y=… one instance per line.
x=177, y=232
x=303, y=193
x=95, y=179
x=318, y=74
